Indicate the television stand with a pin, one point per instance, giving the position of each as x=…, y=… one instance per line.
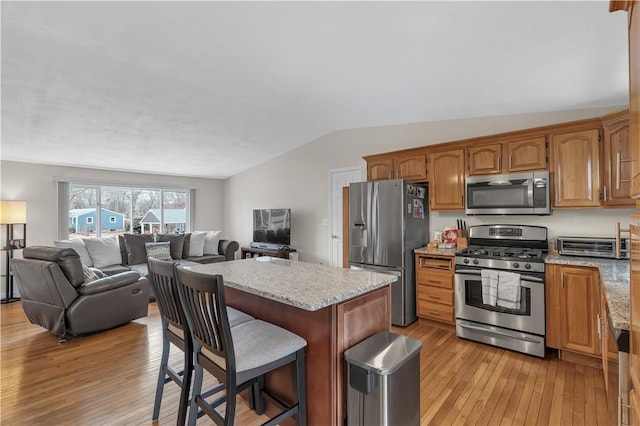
x=249, y=252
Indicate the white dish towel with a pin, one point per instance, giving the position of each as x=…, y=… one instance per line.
x=489, y=286
x=509, y=290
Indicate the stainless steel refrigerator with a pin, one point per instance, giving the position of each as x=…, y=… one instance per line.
x=388, y=219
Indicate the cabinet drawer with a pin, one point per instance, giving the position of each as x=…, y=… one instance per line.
x=435, y=294
x=441, y=263
x=437, y=278
x=435, y=311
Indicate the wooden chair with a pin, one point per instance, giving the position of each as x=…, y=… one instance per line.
x=175, y=330
x=237, y=357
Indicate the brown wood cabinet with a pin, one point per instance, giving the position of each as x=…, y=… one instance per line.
x=573, y=296
x=485, y=159
x=411, y=166
x=380, y=168
x=434, y=287
x=633, y=9
x=633, y=26
x=509, y=157
x=526, y=154
x=575, y=168
x=616, y=161
x=634, y=418
x=446, y=180
x=634, y=298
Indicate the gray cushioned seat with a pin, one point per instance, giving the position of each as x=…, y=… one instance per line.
x=237, y=317
x=250, y=339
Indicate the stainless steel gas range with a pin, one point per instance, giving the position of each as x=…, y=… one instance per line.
x=499, y=287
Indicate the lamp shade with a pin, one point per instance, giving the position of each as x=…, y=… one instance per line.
x=13, y=212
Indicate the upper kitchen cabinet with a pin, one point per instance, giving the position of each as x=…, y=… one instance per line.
x=517, y=155
x=446, y=180
x=616, y=161
x=575, y=168
x=526, y=154
x=379, y=168
x=410, y=166
x=485, y=159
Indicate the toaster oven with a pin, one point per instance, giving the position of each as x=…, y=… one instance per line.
x=592, y=247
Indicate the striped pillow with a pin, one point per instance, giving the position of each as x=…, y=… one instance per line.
x=160, y=251
x=89, y=274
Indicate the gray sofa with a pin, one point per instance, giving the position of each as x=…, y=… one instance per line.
x=56, y=294
x=130, y=251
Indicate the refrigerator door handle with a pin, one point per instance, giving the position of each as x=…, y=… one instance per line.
x=373, y=234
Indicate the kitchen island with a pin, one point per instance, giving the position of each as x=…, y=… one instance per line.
x=331, y=308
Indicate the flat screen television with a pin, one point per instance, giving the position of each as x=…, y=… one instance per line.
x=272, y=226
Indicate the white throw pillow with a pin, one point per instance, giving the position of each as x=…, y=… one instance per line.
x=103, y=251
x=211, y=242
x=196, y=243
x=78, y=246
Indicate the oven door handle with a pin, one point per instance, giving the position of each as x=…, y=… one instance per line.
x=499, y=333
x=477, y=273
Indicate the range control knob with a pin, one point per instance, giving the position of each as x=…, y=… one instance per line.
x=527, y=266
x=516, y=265
x=466, y=260
x=476, y=261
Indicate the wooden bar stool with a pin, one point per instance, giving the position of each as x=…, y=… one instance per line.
x=175, y=330
x=237, y=357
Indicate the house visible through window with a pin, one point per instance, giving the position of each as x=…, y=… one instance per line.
x=103, y=210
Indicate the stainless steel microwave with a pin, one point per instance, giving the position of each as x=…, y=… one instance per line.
x=514, y=193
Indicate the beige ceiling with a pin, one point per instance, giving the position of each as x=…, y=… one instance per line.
x=213, y=88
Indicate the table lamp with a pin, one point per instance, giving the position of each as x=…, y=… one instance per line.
x=12, y=213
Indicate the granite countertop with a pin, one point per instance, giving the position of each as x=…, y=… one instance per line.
x=442, y=252
x=304, y=285
x=614, y=276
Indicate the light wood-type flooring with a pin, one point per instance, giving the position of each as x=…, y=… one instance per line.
x=109, y=379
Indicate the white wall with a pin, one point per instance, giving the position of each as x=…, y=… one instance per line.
x=35, y=184
x=299, y=180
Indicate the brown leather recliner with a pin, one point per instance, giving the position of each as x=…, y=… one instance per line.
x=54, y=294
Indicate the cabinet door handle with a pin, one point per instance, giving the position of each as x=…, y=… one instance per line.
x=434, y=313
x=605, y=193
x=434, y=297
x=510, y=163
x=498, y=163
x=618, y=160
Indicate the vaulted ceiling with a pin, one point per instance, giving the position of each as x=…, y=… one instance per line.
x=213, y=88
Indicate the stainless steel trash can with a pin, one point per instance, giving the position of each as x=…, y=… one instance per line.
x=384, y=381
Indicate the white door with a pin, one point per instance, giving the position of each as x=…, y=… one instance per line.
x=339, y=178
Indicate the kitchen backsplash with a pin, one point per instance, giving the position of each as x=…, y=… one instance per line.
x=597, y=223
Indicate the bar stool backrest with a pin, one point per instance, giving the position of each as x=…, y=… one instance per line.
x=205, y=307
x=162, y=277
